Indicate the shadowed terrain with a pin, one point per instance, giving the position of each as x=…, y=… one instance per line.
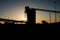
x=54, y=27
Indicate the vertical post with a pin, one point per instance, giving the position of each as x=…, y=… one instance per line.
x=55, y=11
x=50, y=17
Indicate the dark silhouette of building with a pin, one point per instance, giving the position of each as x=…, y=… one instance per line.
x=31, y=14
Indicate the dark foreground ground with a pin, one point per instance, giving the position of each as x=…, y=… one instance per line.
x=55, y=27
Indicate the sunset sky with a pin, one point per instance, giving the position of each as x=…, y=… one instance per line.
x=14, y=9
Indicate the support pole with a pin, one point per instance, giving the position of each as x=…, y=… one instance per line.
x=50, y=17
x=55, y=12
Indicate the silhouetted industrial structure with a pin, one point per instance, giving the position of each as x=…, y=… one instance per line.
x=31, y=14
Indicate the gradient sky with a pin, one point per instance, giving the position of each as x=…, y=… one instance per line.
x=14, y=9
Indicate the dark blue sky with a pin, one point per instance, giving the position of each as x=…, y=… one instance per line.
x=14, y=9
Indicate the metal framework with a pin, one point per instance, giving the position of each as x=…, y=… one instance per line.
x=46, y=10
x=49, y=13
x=27, y=8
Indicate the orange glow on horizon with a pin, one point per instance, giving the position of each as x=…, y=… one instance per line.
x=25, y=19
